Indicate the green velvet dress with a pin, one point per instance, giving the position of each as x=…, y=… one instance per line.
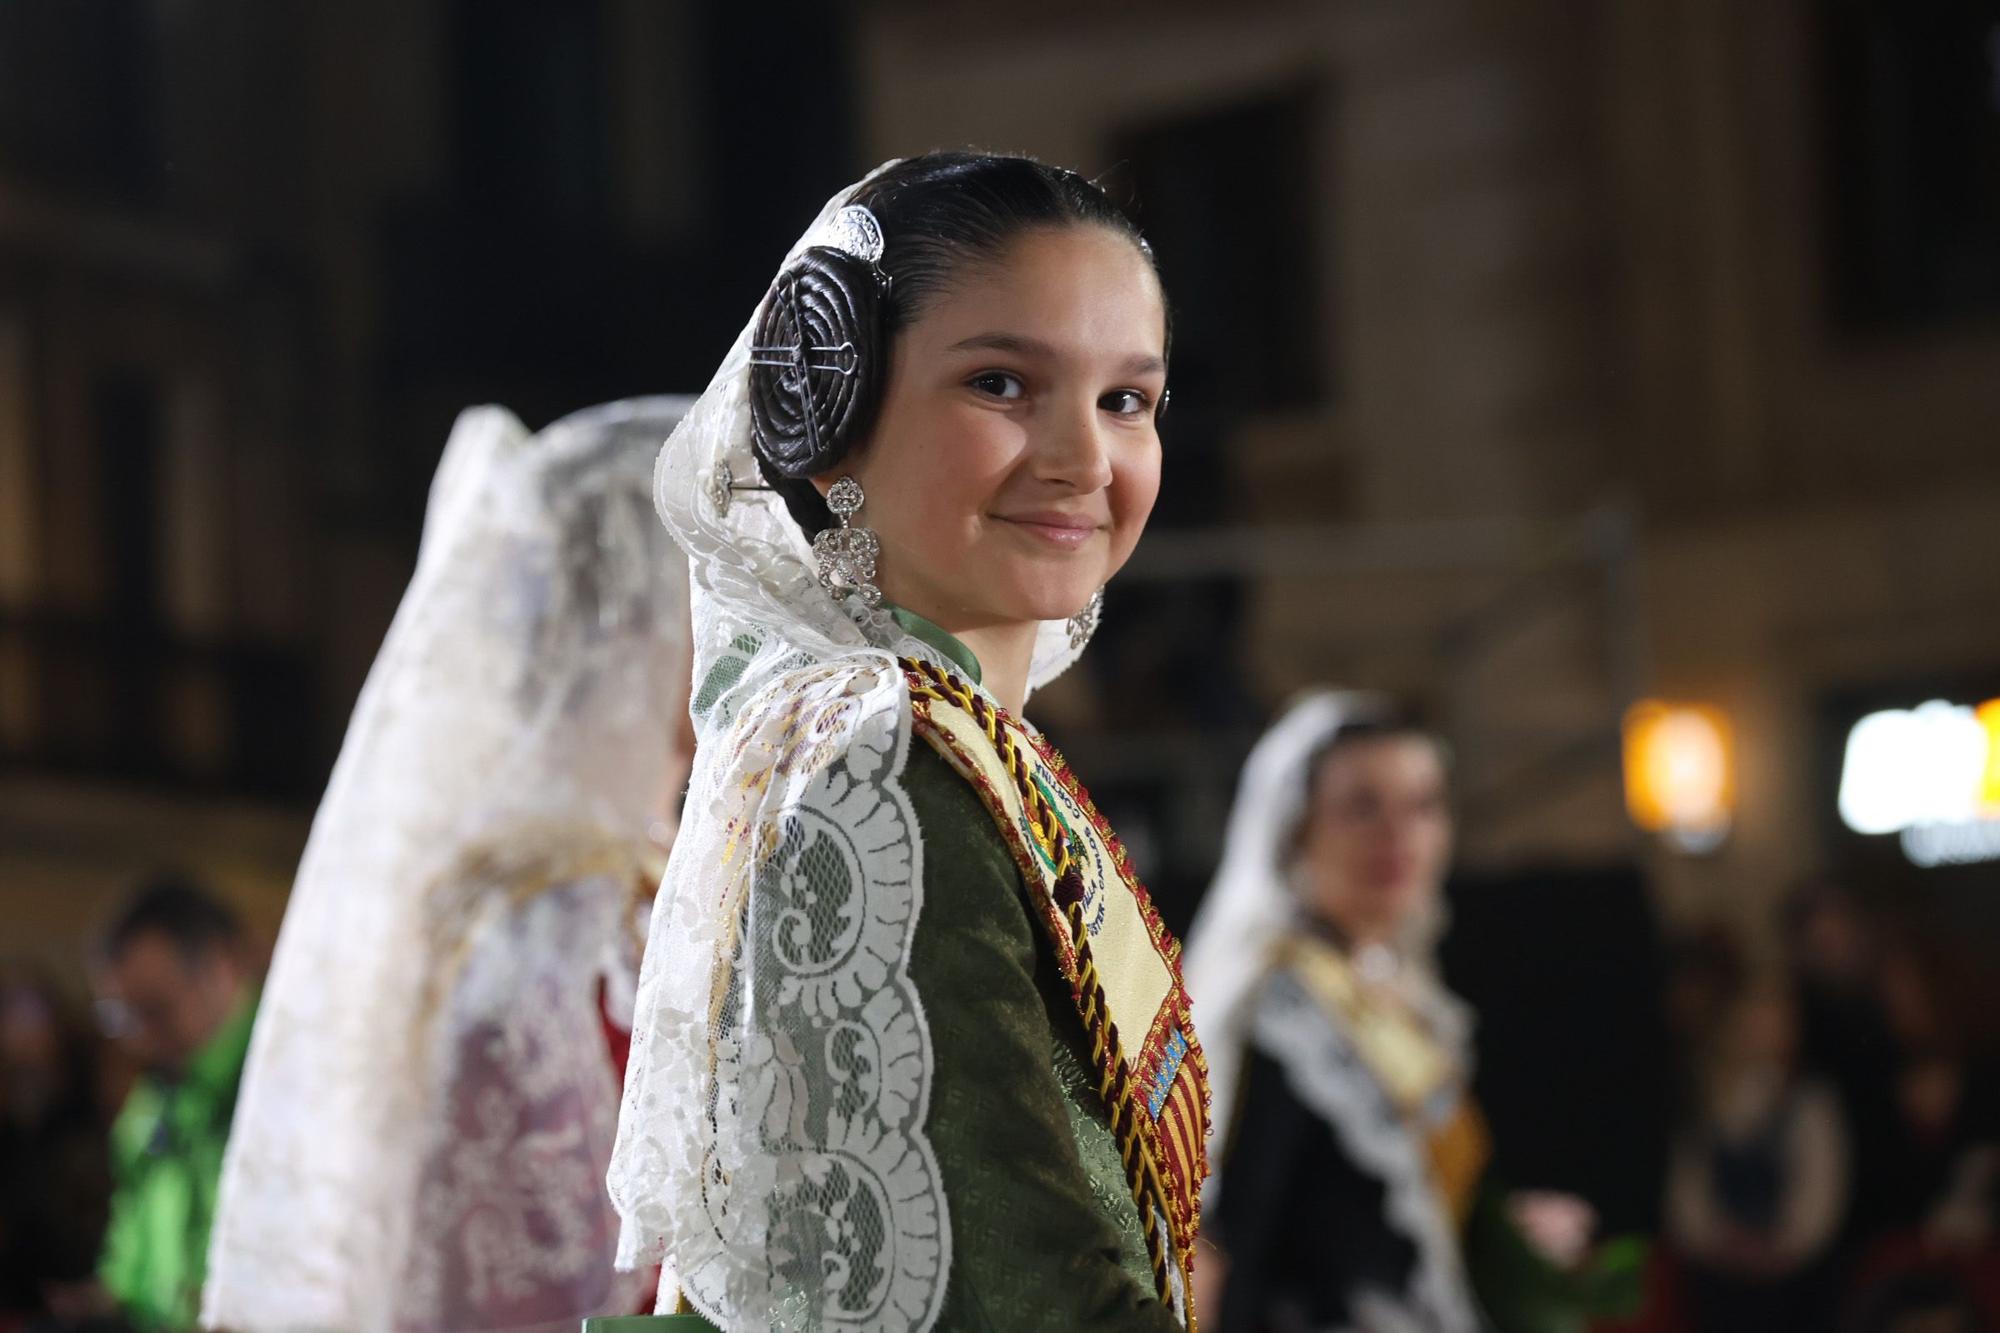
x=1044, y=1233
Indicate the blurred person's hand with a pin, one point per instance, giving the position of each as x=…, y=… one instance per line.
x=1211, y=1276
x=1560, y=1226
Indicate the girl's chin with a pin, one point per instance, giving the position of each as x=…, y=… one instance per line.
x=994, y=598
x=1394, y=895
x=1058, y=610
x=1043, y=603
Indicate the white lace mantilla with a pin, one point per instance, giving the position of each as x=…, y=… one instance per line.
x=428, y=1105
x=511, y=1231
x=771, y=1148
x=795, y=1188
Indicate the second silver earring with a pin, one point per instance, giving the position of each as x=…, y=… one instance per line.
x=1084, y=623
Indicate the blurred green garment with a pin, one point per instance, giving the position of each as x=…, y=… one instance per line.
x=166, y=1159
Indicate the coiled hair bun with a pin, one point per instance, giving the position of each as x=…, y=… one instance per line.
x=816, y=362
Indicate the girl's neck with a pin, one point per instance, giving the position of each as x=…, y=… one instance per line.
x=1005, y=653
x=1354, y=931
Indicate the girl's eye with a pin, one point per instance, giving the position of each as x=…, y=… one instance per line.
x=1125, y=402
x=998, y=384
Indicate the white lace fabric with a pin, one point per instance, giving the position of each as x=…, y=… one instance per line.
x=771, y=1148
x=428, y=1104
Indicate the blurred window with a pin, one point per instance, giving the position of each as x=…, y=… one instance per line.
x=80, y=95
x=530, y=102
x=1226, y=196
x=1913, y=93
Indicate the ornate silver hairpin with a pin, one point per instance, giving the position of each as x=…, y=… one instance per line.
x=854, y=231
x=722, y=488
x=841, y=358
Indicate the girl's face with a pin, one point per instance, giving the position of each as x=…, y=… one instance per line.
x=1015, y=459
x=1377, y=836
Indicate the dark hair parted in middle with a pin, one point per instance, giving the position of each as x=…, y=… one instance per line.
x=1394, y=722
x=940, y=213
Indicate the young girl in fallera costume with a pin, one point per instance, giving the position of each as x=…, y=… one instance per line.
x=911, y=1048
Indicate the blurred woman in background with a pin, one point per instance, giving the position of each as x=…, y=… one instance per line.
x=1352, y=1158
x=1346, y=1143
x=431, y=1093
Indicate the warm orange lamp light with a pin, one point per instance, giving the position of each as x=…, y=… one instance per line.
x=1988, y=714
x=1680, y=772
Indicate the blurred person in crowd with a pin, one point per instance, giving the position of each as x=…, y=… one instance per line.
x=912, y=1049
x=1705, y=977
x=1832, y=948
x=1758, y=1180
x=54, y=1171
x=1941, y=1154
x=177, y=993
x=1944, y=1153
x=433, y=1087
x=1352, y=1188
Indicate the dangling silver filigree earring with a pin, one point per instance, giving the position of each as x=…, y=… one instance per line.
x=846, y=555
x=1084, y=623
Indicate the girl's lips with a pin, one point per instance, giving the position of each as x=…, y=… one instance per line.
x=1067, y=531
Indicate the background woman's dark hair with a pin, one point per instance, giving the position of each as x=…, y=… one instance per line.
x=942, y=211
x=1397, y=722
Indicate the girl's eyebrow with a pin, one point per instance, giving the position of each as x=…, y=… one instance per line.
x=1139, y=363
